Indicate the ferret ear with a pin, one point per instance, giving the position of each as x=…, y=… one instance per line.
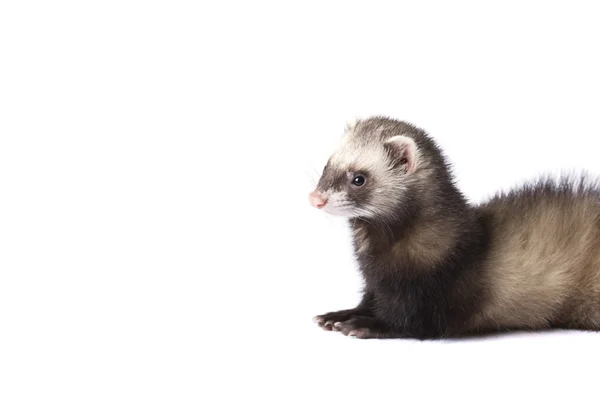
x=351, y=124
x=403, y=152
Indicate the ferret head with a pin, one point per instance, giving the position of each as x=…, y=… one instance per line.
x=378, y=164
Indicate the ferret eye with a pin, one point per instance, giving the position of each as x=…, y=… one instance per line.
x=358, y=180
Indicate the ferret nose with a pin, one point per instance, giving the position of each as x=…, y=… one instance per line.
x=316, y=200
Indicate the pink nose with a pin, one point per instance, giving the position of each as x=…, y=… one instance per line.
x=316, y=200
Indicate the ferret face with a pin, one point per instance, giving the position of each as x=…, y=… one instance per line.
x=368, y=175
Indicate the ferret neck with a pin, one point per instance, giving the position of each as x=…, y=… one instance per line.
x=432, y=223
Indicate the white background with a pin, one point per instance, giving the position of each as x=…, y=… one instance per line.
x=155, y=160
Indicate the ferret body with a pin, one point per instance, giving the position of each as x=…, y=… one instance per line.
x=436, y=266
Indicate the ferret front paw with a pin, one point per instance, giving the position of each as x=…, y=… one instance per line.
x=361, y=328
x=328, y=321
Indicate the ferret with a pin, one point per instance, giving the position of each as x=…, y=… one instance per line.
x=436, y=266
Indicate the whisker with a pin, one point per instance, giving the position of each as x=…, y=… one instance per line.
x=313, y=175
x=366, y=220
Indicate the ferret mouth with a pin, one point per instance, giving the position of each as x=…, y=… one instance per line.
x=340, y=210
